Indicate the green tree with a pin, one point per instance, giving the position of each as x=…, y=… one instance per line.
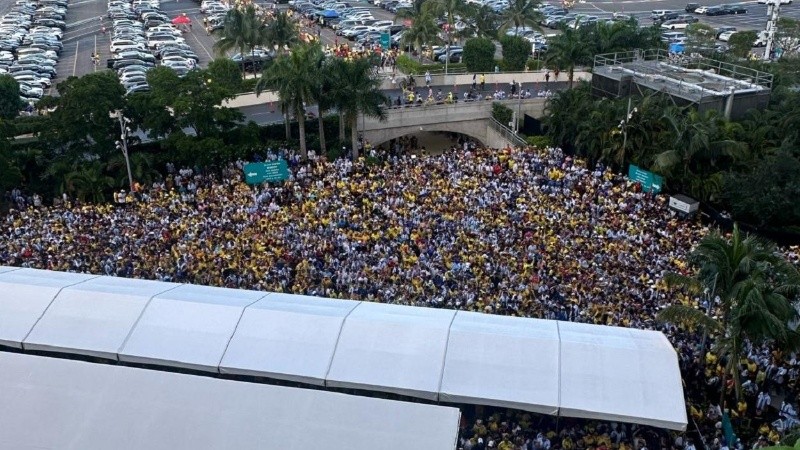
x=10, y=173
x=81, y=121
x=564, y=112
x=479, y=21
x=516, y=51
x=282, y=32
x=566, y=51
x=701, y=146
x=479, y=55
x=700, y=37
x=521, y=13
x=10, y=103
x=755, y=286
x=424, y=31
x=787, y=37
x=242, y=31
x=225, y=72
x=88, y=182
x=449, y=9
x=292, y=77
x=741, y=43
x=365, y=97
x=766, y=195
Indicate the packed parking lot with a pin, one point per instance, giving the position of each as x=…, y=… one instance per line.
x=30, y=44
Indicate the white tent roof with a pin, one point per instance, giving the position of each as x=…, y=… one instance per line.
x=550, y=367
x=93, y=318
x=75, y=405
x=522, y=352
x=622, y=374
x=189, y=327
x=274, y=330
x=26, y=295
x=392, y=348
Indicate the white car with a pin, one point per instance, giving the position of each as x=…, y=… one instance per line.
x=118, y=46
x=725, y=36
x=783, y=2
x=701, y=10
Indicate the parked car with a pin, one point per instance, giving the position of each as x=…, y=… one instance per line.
x=735, y=9
x=691, y=7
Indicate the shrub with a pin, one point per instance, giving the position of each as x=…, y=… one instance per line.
x=535, y=64
x=539, y=141
x=516, y=51
x=479, y=55
x=502, y=113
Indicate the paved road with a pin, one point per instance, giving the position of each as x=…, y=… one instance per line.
x=755, y=19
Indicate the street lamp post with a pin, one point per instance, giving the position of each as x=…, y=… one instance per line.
x=519, y=106
x=122, y=144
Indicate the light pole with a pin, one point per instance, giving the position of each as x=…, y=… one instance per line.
x=623, y=124
x=773, y=12
x=519, y=106
x=122, y=144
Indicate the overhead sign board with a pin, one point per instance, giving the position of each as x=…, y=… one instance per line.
x=271, y=171
x=650, y=182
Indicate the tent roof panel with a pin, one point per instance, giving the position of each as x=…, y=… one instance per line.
x=178, y=331
x=94, y=406
x=615, y=373
x=93, y=318
x=26, y=295
x=278, y=328
x=392, y=348
x=522, y=352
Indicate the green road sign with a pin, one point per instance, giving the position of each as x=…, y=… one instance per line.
x=650, y=182
x=255, y=173
x=385, y=40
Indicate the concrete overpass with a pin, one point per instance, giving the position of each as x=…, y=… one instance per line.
x=473, y=119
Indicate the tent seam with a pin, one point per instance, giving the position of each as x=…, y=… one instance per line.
x=230, y=338
x=336, y=345
x=558, y=405
x=136, y=323
x=444, y=357
x=38, y=319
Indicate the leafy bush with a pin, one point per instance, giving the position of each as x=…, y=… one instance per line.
x=502, y=113
x=516, y=51
x=479, y=55
x=539, y=141
x=535, y=64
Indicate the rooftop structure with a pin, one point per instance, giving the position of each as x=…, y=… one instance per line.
x=706, y=83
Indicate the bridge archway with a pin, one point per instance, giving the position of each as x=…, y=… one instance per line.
x=475, y=129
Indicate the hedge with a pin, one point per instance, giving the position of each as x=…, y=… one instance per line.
x=479, y=55
x=410, y=66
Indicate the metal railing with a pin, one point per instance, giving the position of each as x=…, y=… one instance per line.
x=504, y=131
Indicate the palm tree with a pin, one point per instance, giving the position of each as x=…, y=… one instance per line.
x=242, y=31
x=480, y=21
x=521, y=13
x=338, y=90
x=88, y=182
x=358, y=94
x=700, y=143
x=566, y=51
x=324, y=80
x=282, y=32
x=564, y=112
x=423, y=31
x=292, y=77
x=449, y=9
x=755, y=287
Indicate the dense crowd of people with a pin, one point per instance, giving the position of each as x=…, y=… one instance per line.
x=524, y=232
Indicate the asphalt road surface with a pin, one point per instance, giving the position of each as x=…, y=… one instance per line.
x=755, y=19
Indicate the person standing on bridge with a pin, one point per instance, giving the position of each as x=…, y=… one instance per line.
x=427, y=78
x=483, y=81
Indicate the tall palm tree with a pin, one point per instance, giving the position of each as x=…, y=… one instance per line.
x=480, y=21
x=755, y=286
x=89, y=182
x=424, y=31
x=292, y=77
x=448, y=9
x=358, y=94
x=521, y=13
x=564, y=112
x=700, y=143
x=282, y=32
x=242, y=31
x=338, y=90
x=567, y=51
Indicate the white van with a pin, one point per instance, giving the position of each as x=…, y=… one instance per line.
x=657, y=14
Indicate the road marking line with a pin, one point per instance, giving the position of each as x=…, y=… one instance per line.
x=201, y=45
x=75, y=63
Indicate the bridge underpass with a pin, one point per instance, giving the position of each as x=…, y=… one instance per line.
x=473, y=119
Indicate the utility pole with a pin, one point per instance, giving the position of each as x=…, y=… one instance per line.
x=773, y=11
x=122, y=144
x=519, y=107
